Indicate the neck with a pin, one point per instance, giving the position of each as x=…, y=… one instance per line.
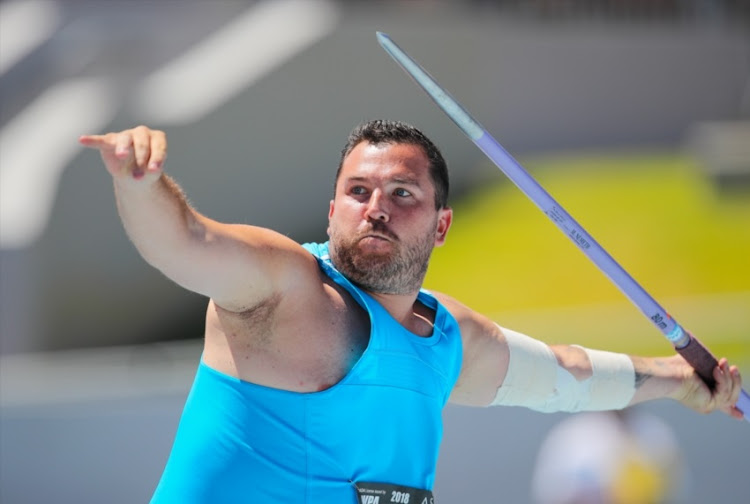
x=407, y=312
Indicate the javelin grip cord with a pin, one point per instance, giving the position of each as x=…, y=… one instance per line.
x=694, y=352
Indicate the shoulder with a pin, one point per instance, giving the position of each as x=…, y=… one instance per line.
x=473, y=325
x=319, y=250
x=271, y=267
x=298, y=266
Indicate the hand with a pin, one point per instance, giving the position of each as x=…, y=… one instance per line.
x=696, y=395
x=139, y=152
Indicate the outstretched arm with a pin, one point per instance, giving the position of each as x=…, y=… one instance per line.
x=502, y=367
x=237, y=265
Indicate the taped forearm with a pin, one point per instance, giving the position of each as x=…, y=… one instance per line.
x=536, y=380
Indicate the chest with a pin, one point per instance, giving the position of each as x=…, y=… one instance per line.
x=302, y=344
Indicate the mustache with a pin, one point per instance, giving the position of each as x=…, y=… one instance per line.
x=380, y=228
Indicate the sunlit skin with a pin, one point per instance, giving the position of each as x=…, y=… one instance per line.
x=297, y=330
x=383, y=223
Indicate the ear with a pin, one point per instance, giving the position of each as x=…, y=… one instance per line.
x=330, y=210
x=330, y=214
x=445, y=219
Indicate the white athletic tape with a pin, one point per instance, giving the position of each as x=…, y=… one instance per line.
x=613, y=380
x=531, y=375
x=535, y=380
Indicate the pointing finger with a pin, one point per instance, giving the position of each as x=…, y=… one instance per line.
x=133, y=152
x=94, y=141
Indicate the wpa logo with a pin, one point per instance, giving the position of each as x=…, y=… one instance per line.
x=370, y=499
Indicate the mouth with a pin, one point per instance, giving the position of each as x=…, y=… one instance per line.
x=379, y=235
x=375, y=242
x=375, y=236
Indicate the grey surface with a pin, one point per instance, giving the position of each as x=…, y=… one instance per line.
x=488, y=455
x=268, y=156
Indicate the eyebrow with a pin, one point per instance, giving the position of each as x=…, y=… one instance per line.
x=397, y=180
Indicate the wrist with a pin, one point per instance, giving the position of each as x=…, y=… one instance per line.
x=144, y=183
x=661, y=377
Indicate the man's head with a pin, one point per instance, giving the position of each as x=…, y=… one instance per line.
x=387, y=213
x=379, y=131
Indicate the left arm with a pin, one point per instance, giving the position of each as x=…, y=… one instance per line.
x=487, y=361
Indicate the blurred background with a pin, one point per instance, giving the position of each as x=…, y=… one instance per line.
x=634, y=114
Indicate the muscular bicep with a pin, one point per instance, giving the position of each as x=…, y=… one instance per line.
x=238, y=266
x=502, y=367
x=484, y=367
x=485, y=356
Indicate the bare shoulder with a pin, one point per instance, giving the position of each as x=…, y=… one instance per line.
x=258, y=265
x=288, y=261
x=287, y=277
x=474, y=325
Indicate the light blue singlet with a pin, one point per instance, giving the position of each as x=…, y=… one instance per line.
x=239, y=442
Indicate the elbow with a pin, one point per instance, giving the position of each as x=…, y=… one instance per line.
x=574, y=360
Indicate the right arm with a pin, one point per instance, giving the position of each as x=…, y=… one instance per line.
x=238, y=266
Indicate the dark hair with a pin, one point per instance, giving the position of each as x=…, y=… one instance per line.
x=379, y=131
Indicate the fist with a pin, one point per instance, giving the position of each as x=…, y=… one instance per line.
x=724, y=396
x=138, y=153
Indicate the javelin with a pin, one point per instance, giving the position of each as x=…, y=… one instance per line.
x=694, y=352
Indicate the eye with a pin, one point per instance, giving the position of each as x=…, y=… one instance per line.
x=403, y=193
x=358, y=190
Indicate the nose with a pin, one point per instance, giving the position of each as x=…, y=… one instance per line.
x=377, y=208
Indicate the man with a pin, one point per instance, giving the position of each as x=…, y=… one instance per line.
x=325, y=366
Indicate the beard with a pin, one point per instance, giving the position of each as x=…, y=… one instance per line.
x=401, y=270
